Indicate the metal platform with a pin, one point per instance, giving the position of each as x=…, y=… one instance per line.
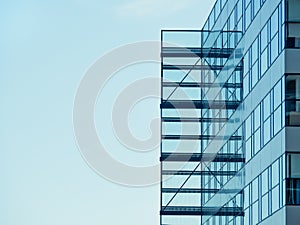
x=170, y=52
x=201, y=157
x=200, y=85
x=198, y=190
x=202, y=211
x=193, y=120
x=199, y=104
x=198, y=173
x=199, y=137
x=196, y=67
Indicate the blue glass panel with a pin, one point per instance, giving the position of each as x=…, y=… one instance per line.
x=256, y=141
x=247, y=17
x=277, y=120
x=274, y=48
x=277, y=94
x=266, y=107
x=256, y=6
x=255, y=51
x=274, y=23
x=264, y=38
x=239, y=10
x=275, y=199
x=254, y=74
x=248, y=149
x=265, y=206
x=247, y=217
x=255, y=213
x=255, y=190
x=248, y=127
x=265, y=182
x=264, y=61
x=267, y=130
x=257, y=118
x=246, y=85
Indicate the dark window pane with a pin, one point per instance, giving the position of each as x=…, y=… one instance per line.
x=292, y=96
x=293, y=192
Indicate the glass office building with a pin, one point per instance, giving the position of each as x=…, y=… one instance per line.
x=230, y=117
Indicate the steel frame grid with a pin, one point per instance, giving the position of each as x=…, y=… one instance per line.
x=199, y=210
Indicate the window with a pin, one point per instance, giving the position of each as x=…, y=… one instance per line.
x=274, y=48
x=247, y=17
x=293, y=166
x=277, y=120
x=254, y=74
x=293, y=179
x=255, y=213
x=293, y=24
x=275, y=173
x=231, y=21
x=248, y=127
x=274, y=23
x=265, y=182
x=293, y=10
x=256, y=141
x=256, y=6
x=246, y=63
x=255, y=190
x=267, y=129
x=248, y=149
x=239, y=10
x=257, y=117
x=265, y=206
x=277, y=94
x=212, y=18
x=247, y=2
x=218, y=6
x=266, y=106
x=275, y=199
x=264, y=61
x=255, y=51
x=293, y=191
x=292, y=97
x=247, y=217
x=246, y=85
x=246, y=197
x=264, y=37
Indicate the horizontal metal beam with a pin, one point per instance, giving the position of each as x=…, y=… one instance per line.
x=198, y=173
x=201, y=157
x=201, y=211
x=199, y=104
x=199, y=190
x=191, y=67
x=199, y=137
x=201, y=85
x=188, y=190
x=171, y=52
x=193, y=120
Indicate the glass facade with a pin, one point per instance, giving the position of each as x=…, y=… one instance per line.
x=230, y=115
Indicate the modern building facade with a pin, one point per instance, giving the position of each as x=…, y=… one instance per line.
x=230, y=117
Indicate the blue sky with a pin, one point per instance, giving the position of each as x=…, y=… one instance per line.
x=45, y=49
